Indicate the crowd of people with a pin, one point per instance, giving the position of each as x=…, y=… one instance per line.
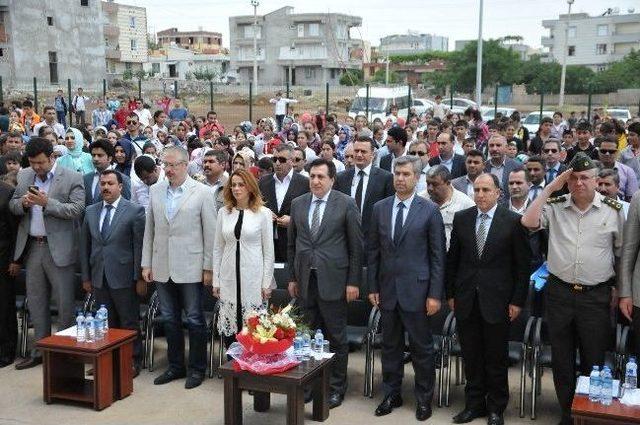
x=438, y=208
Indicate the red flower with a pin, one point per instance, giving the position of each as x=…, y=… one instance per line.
x=253, y=322
x=279, y=334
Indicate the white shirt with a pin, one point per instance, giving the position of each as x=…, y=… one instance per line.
x=282, y=187
x=405, y=212
x=422, y=180
x=144, y=116
x=309, y=154
x=281, y=105
x=103, y=213
x=458, y=202
x=79, y=102
x=56, y=126
x=156, y=128
x=140, y=191
x=488, y=221
x=470, y=192
x=339, y=166
x=520, y=211
x=356, y=181
x=36, y=226
x=322, y=206
x=439, y=111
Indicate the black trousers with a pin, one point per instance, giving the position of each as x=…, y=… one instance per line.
x=279, y=119
x=124, y=312
x=486, y=358
x=331, y=318
x=8, y=319
x=635, y=325
x=416, y=324
x=576, y=321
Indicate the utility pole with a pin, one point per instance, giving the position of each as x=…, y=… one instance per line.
x=563, y=74
x=479, y=59
x=255, y=5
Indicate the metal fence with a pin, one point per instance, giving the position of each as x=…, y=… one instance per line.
x=237, y=103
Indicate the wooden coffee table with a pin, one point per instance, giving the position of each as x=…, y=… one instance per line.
x=112, y=361
x=291, y=383
x=586, y=412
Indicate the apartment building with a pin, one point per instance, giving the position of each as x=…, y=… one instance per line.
x=125, y=37
x=412, y=43
x=200, y=41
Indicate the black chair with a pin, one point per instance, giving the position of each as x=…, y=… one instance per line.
x=22, y=312
x=358, y=313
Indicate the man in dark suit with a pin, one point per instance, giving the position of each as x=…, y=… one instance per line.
x=365, y=183
x=396, y=144
x=325, y=260
x=278, y=190
x=453, y=162
x=406, y=264
x=8, y=270
x=488, y=268
x=499, y=165
x=552, y=154
x=110, y=254
x=102, y=153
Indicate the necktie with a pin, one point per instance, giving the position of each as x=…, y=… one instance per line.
x=315, y=219
x=397, y=230
x=96, y=191
x=481, y=234
x=359, y=189
x=106, y=223
x=551, y=174
x=536, y=190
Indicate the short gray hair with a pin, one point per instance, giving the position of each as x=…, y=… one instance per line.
x=440, y=171
x=610, y=172
x=408, y=159
x=181, y=153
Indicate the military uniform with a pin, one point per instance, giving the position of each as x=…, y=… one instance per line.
x=583, y=248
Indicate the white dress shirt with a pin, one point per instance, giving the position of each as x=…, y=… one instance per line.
x=422, y=180
x=536, y=189
x=174, y=195
x=356, y=181
x=36, y=226
x=488, y=221
x=339, y=165
x=103, y=213
x=405, y=212
x=282, y=187
x=458, y=202
x=322, y=206
x=140, y=191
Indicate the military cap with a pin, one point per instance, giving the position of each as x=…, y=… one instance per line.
x=581, y=162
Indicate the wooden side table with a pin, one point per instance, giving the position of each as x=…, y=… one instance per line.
x=291, y=383
x=63, y=368
x=585, y=412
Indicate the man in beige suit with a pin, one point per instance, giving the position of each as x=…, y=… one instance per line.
x=176, y=254
x=629, y=282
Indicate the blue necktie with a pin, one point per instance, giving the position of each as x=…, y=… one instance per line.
x=397, y=230
x=106, y=223
x=551, y=174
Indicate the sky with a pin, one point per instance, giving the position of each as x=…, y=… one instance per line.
x=456, y=19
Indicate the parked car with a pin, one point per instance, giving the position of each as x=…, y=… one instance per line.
x=422, y=105
x=532, y=121
x=460, y=104
x=488, y=112
x=380, y=101
x=619, y=114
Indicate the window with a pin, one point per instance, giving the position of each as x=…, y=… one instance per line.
x=132, y=21
x=601, y=49
x=84, y=2
x=309, y=73
x=127, y=66
x=300, y=30
x=571, y=32
x=50, y=21
x=571, y=50
x=333, y=73
x=314, y=30
x=53, y=67
x=603, y=30
x=248, y=31
x=1, y=53
x=134, y=44
x=155, y=68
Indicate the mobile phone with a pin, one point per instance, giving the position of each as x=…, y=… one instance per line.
x=34, y=189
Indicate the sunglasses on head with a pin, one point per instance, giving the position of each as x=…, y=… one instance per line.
x=414, y=153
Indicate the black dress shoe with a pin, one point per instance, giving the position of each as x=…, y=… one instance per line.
x=467, y=415
x=168, y=376
x=28, y=363
x=6, y=361
x=388, y=404
x=193, y=380
x=495, y=419
x=423, y=412
x=335, y=400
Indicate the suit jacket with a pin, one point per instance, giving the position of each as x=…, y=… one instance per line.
x=565, y=188
x=380, y=186
x=181, y=248
x=65, y=206
x=500, y=276
x=457, y=167
x=461, y=183
x=335, y=251
x=121, y=250
x=8, y=227
x=509, y=166
x=409, y=272
x=88, y=182
x=385, y=162
x=299, y=185
x=629, y=282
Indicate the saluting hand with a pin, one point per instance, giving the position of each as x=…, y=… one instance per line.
x=559, y=182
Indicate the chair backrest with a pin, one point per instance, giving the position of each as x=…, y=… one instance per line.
x=208, y=300
x=437, y=321
x=20, y=283
x=518, y=326
x=281, y=276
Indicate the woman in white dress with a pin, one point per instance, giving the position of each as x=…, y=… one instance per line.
x=243, y=253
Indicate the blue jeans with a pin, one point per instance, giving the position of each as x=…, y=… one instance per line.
x=62, y=118
x=174, y=298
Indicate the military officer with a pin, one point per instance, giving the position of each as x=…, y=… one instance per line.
x=585, y=244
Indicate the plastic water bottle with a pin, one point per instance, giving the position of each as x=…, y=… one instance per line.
x=319, y=341
x=607, y=387
x=98, y=325
x=105, y=318
x=631, y=374
x=595, y=384
x=80, y=331
x=90, y=334
x=306, y=346
x=297, y=345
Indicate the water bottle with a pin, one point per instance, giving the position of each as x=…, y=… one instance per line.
x=297, y=345
x=319, y=341
x=98, y=325
x=595, y=384
x=607, y=387
x=306, y=346
x=80, y=331
x=631, y=374
x=105, y=318
x=90, y=334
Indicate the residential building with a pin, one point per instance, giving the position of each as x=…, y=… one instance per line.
x=179, y=63
x=304, y=49
x=593, y=41
x=51, y=40
x=200, y=41
x=523, y=50
x=125, y=35
x=412, y=43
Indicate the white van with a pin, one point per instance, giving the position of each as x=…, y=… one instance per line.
x=380, y=101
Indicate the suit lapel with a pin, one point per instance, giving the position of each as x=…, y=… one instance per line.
x=491, y=233
x=370, y=185
x=414, y=209
x=331, y=201
x=387, y=211
x=305, y=212
x=95, y=218
x=185, y=197
x=271, y=193
x=116, y=216
x=288, y=195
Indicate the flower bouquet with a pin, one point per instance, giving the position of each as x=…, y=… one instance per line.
x=263, y=345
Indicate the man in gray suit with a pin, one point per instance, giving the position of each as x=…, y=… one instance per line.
x=111, y=235
x=102, y=153
x=324, y=257
x=177, y=254
x=48, y=199
x=629, y=282
x=406, y=260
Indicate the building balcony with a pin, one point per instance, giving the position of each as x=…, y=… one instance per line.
x=112, y=53
x=111, y=31
x=302, y=54
x=626, y=38
x=547, y=41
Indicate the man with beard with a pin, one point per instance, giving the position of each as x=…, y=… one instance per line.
x=214, y=166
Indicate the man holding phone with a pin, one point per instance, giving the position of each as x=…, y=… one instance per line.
x=47, y=201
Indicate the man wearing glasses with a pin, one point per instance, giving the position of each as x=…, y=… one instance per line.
x=607, y=154
x=133, y=133
x=177, y=255
x=421, y=150
x=552, y=154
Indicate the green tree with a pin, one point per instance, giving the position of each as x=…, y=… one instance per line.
x=205, y=73
x=352, y=77
x=152, y=44
x=380, y=77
